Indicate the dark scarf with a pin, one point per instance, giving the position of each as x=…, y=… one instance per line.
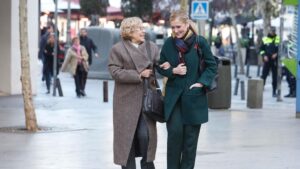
x=184, y=44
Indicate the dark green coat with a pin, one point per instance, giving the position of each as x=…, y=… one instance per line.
x=193, y=101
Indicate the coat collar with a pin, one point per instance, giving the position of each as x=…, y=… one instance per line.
x=138, y=55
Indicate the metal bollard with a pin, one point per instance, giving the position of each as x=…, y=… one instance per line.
x=255, y=93
x=105, y=91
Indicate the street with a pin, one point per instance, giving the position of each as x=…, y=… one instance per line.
x=77, y=133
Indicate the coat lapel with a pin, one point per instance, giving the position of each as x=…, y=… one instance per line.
x=138, y=55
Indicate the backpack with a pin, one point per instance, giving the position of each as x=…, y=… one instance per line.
x=214, y=83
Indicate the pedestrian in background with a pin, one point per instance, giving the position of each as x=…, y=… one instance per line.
x=185, y=98
x=269, y=52
x=76, y=62
x=134, y=133
x=42, y=45
x=219, y=45
x=48, y=56
x=90, y=47
x=43, y=42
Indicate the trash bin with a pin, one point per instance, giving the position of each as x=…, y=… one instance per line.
x=221, y=97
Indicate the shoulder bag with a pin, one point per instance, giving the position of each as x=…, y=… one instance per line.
x=153, y=104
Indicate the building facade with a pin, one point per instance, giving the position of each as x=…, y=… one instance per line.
x=10, y=57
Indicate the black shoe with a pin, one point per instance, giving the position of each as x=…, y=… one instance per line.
x=82, y=92
x=274, y=95
x=288, y=95
x=78, y=95
x=48, y=92
x=293, y=95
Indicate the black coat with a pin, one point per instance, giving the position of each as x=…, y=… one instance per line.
x=49, y=58
x=89, y=46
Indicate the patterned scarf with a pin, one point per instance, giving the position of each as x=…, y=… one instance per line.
x=76, y=48
x=184, y=44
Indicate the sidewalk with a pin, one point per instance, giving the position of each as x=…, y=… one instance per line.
x=78, y=133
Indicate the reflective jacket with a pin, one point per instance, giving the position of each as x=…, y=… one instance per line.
x=269, y=46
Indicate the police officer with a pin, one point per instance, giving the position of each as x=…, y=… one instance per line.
x=290, y=78
x=269, y=52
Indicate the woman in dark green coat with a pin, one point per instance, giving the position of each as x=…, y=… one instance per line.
x=185, y=98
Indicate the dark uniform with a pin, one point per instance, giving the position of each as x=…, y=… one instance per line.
x=290, y=78
x=268, y=48
x=89, y=46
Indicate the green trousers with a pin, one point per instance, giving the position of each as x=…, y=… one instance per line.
x=182, y=142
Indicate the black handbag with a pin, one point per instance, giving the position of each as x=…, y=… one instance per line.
x=153, y=101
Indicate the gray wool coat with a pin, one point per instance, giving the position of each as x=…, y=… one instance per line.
x=125, y=64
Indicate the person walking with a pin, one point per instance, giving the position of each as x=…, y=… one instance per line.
x=269, y=52
x=48, y=60
x=43, y=42
x=42, y=45
x=219, y=45
x=134, y=133
x=90, y=47
x=76, y=62
x=185, y=99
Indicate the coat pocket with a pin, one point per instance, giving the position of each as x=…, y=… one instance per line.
x=194, y=106
x=195, y=91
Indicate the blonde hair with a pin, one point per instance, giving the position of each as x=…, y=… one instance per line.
x=128, y=26
x=183, y=16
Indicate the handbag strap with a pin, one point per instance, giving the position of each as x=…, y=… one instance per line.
x=153, y=65
x=200, y=55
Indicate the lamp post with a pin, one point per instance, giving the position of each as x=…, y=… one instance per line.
x=55, y=52
x=298, y=68
x=68, y=42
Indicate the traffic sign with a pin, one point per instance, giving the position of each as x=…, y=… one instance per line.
x=200, y=10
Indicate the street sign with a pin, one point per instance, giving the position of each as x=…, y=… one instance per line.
x=200, y=10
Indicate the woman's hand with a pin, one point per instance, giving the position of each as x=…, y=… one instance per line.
x=196, y=85
x=146, y=73
x=266, y=59
x=165, y=65
x=274, y=56
x=80, y=57
x=180, y=69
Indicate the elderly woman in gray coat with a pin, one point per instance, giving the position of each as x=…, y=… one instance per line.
x=134, y=133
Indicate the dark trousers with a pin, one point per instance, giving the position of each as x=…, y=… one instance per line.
x=271, y=64
x=47, y=77
x=79, y=79
x=182, y=142
x=47, y=73
x=84, y=80
x=291, y=80
x=139, y=146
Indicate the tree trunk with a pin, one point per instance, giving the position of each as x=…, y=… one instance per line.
x=239, y=52
x=31, y=122
x=184, y=5
x=265, y=10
